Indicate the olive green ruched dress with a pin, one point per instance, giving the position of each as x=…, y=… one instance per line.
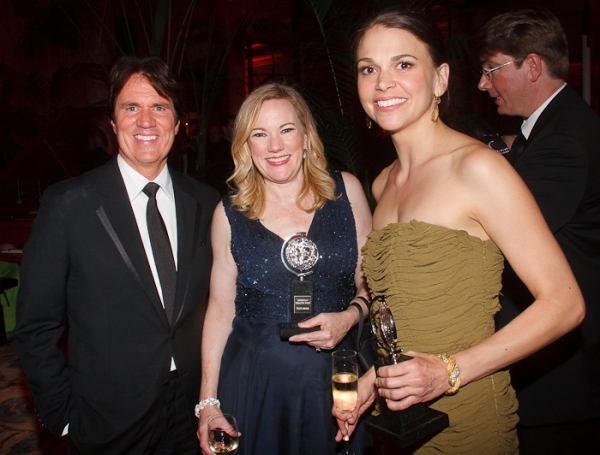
x=442, y=286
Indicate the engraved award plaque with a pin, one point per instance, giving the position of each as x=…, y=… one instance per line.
x=417, y=423
x=299, y=255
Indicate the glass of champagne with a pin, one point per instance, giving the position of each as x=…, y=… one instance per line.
x=344, y=380
x=219, y=437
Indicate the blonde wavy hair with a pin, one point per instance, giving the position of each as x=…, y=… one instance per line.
x=249, y=186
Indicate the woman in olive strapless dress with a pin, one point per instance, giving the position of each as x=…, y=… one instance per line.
x=441, y=273
x=442, y=286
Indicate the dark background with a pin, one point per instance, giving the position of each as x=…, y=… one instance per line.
x=56, y=54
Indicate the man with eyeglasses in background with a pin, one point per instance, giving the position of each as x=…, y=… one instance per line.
x=525, y=62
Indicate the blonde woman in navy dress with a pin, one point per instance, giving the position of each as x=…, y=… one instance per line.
x=280, y=391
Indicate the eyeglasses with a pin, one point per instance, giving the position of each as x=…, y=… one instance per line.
x=488, y=73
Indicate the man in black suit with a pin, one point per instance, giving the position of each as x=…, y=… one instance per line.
x=525, y=63
x=129, y=281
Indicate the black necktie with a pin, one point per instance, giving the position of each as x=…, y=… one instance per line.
x=161, y=248
x=518, y=146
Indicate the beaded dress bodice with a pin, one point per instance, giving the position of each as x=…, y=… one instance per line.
x=264, y=284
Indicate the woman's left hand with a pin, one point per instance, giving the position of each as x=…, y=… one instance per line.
x=418, y=380
x=333, y=328
x=366, y=396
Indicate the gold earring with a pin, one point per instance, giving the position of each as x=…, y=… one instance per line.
x=436, y=110
x=369, y=122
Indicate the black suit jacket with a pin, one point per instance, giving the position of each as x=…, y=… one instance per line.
x=561, y=166
x=85, y=268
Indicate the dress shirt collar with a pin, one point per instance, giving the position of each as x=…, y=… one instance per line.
x=529, y=123
x=135, y=182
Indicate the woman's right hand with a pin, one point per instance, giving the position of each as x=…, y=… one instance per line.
x=218, y=319
x=366, y=396
x=421, y=379
x=208, y=413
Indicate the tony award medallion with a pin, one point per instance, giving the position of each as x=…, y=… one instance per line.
x=417, y=423
x=299, y=255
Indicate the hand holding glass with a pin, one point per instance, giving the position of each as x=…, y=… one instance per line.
x=219, y=437
x=344, y=380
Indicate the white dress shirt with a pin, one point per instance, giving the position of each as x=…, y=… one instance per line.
x=529, y=123
x=165, y=198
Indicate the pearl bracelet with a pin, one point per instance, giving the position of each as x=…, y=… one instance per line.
x=210, y=401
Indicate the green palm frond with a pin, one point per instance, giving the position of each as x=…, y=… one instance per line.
x=321, y=9
x=161, y=26
x=98, y=17
x=457, y=48
x=214, y=72
x=127, y=27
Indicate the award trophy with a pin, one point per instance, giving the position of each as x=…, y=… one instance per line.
x=402, y=428
x=299, y=255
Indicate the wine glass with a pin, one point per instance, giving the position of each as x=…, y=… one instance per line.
x=219, y=439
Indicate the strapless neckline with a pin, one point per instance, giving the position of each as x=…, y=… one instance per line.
x=414, y=223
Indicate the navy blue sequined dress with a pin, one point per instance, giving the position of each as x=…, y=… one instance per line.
x=280, y=392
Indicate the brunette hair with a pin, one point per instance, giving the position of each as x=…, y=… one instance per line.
x=416, y=23
x=153, y=69
x=522, y=32
x=249, y=187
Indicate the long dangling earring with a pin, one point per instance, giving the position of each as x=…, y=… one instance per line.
x=369, y=122
x=436, y=110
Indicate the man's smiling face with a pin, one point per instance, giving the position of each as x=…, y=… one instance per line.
x=145, y=124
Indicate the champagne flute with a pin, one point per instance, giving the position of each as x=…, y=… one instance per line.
x=344, y=380
x=219, y=440
x=344, y=384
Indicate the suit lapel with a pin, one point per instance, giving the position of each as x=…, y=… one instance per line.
x=189, y=213
x=116, y=215
x=557, y=104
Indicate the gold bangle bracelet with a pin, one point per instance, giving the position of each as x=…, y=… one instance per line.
x=453, y=372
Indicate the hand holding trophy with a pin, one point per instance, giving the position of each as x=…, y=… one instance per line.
x=418, y=422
